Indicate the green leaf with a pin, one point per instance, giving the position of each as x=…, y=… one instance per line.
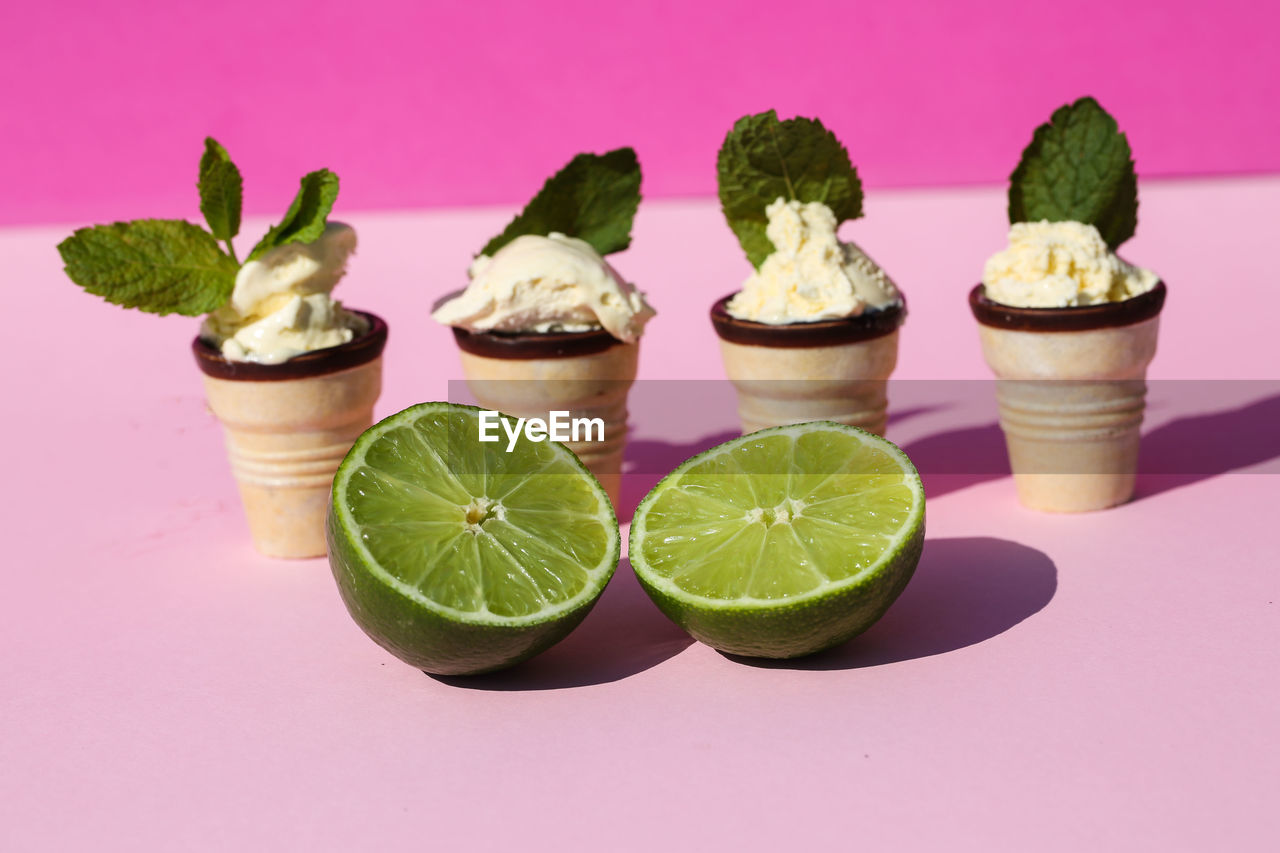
x=305, y=220
x=1079, y=168
x=763, y=159
x=593, y=198
x=162, y=266
x=221, y=191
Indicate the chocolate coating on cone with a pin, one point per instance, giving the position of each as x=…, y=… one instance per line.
x=534, y=344
x=1073, y=319
x=820, y=333
x=528, y=344
x=353, y=353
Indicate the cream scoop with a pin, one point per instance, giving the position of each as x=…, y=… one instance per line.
x=547, y=284
x=810, y=275
x=1058, y=265
x=281, y=306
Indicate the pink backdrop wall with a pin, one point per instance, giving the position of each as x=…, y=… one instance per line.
x=426, y=104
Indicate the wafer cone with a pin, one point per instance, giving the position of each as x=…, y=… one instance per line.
x=288, y=426
x=285, y=440
x=1071, y=405
x=590, y=385
x=846, y=383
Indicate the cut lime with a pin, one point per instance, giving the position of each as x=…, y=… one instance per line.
x=459, y=557
x=783, y=542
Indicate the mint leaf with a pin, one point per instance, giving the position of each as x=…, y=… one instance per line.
x=305, y=220
x=763, y=159
x=1079, y=168
x=593, y=198
x=162, y=266
x=221, y=191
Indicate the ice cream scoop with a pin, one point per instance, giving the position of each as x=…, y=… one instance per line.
x=549, y=283
x=1060, y=265
x=281, y=306
x=810, y=275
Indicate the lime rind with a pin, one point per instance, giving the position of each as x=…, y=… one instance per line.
x=558, y=460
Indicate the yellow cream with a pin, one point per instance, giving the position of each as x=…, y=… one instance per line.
x=547, y=284
x=1060, y=264
x=281, y=307
x=810, y=275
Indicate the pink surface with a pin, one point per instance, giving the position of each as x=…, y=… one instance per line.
x=427, y=104
x=1100, y=682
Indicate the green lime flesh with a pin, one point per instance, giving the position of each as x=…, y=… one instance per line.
x=459, y=557
x=783, y=542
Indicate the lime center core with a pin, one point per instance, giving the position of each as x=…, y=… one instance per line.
x=784, y=513
x=480, y=510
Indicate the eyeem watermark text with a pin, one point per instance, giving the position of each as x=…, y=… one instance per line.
x=558, y=427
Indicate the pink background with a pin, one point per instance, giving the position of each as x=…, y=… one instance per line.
x=1050, y=683
x=430, y=104
x=1101, y=682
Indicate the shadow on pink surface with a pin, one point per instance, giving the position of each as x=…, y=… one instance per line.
x=959, y=458
x=1197, y=447
x=1179, y=453
x=965, y=591
x=624, y=634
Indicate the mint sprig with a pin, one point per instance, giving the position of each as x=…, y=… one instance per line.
x=307, y=215
x=1078, y=167
x=593, y=198
x=763, y=159
x=163, y=266
x=170, y=266
x=221, y=192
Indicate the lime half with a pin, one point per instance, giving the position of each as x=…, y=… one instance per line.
x=459, y=557
x=782, y=542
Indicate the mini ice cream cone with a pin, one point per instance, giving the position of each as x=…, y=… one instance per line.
x=832, y=370
x=287, y=428
x=585, y=374
x=1071, y=395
